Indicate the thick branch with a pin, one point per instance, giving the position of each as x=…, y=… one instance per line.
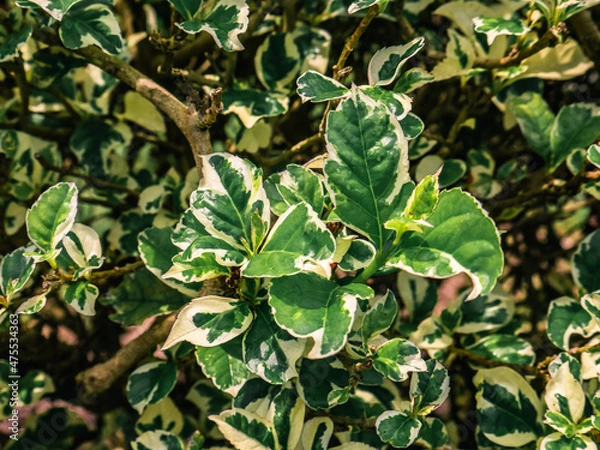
x=588, y=34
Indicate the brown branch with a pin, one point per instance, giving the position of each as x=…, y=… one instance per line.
x=287, y=154
x=515, y=57
x=338, y=69
x=101, y=377
x=586, y=30
x=477, y=359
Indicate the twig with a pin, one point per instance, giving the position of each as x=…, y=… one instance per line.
x=514, y=58
x=477, y=359
x=297, y=148
x=95, y=181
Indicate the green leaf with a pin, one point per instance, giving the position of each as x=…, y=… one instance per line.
x=565, y=318
x=494, y=26
x=163, y=415
x=505, y=348
x=433, y=433
x=157, y=440
x=326, y=315
x=385, y=65
x=536, y=119
x=224, y=365
x=397, y=358
x=557, y=441
x=418, y=295
x=593, y=154
x=224, y=22
x=56, y=8
x=484, y=313
x=252, y=105
x=509, y=411
x=429, y=388
x=565, y=395
x=316, y=87
x=367, y=165
x=157, y=250
x=277, y=61
x=358, y=256
x=299, y=242
x=452, y=171
x=231, y=203
x=452, y=247
x=576, y=126
x=83, y=248
x=270, y=352
x=82, y=296
x=9, y=49
x=52, y=216
x=380, y=316
x=317, y=433
x=423, y=199
x=412, y=126
x=288, y=417
x=323, y=383
x=150, y=383
x=91, y=23
x=210, y=321
x=139, y=296
x=187, y=8
x=245, y=430
x=412, y=79
x=585, y=263
x=397, y=428
x=15, y=270
x=33, y=386
x=295, y=185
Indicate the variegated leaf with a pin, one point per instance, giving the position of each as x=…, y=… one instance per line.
x=187, y=8
x=593, y=154
x=15, y=270
x=245, y=430
x=564, y=395
x=429, y=388
x=316, y=87
x=509, y=411
x=317, y=432
x=397, y=358
x=385, y=65
x=295, y=185
x=397, y=428
x=9, y=48
x=326, y=315
x=367, y=165
x=380, y=316
x=494, y=26
x=224, y=365
x=505, y=348
x=150, y=383
x=163, y=415
x=567, y=317
x=210, y=321
x=251, y=105
x=298, y=242
x=82, y=296
x=585, y=262
x=323, y=383
x=270, y=352
x=224, y=22
x=277, y=61
x=91, y=23
x=287, y=412
x=157, y=440
x=82, y=248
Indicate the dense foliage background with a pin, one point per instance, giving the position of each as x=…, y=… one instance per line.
x=406, y=256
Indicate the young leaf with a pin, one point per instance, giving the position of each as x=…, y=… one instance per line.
x=367, y=165
x=210, y=321
x=299, y=242
x=463, y=239
x=508, y=408
x=224, y=365
x=150, y=383
x=224, y=22
x=423, y=199
x=326, y=315
x=270, y=352
x=494, y=26
x=385, y=65
x=429, y=388
x=52, y=216
x=244, y=429
x=15, y=271
x=82, y=245
x=82, y=296
x=397, y=428
x=86, y=23
x=585, y=263
x=397, y=358
x=317, y=87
